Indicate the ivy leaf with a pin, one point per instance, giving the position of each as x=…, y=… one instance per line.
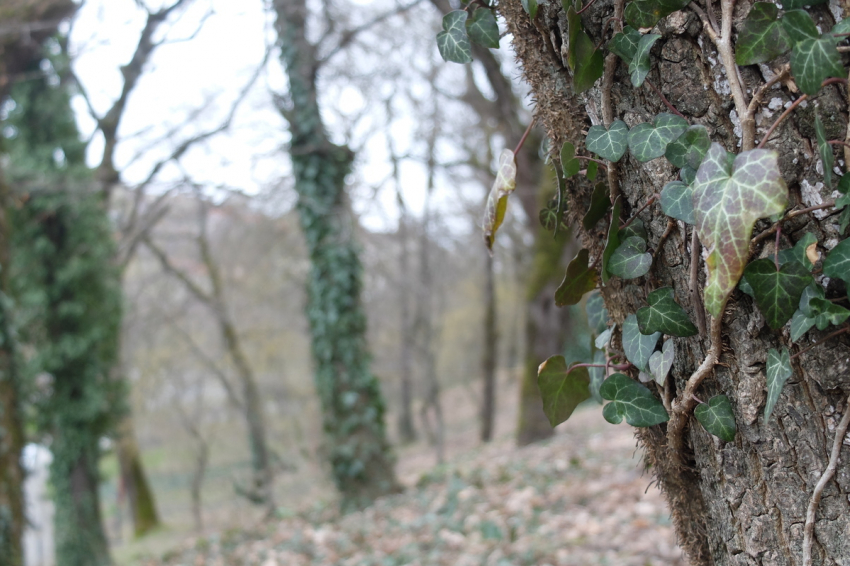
x=762, y=38
x=648, y=141
x=453, y=41
x=632, y=401
x=687, y=175
x=610, y=144
x=778, y=372
x=793, y=4
x=634, y=230
x=569, y=164
x=844, y=182
x=603, y=339
x=577, y=281
x=530, y=7
x=828, y=313
x=549, y=217
x=677, y=200
x=597, y=314
x=562, y=198
x=483, y=29
x=777, y=292
x=799, y=26
x=690, y=148
x=717, y=417
x=813, y=61
x=839, y=30
x=637, y=346
x=837, y=263
x=800, y=324
x=730, y=194
x=825, y=150
x=802, y=252
x=613, y=241
x=625, y=44
x=562, y=390
x=664, y=315
x=497, y=201
x=630, y=259
x=600, y=202
x=640, y=65
x=590, y=172
x=647, y=13
x=597, y=376
x=583, y=58
x=812, y=291
x=661, y=362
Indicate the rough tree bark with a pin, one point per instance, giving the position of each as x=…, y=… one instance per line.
x=352, y=404
x=742, y=502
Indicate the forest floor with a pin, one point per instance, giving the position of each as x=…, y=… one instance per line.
x=580, y=498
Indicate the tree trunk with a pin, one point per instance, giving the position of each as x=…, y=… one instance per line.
x=142, y=507
x=488, y=361
x=406, y=430
x=745, y=501
x=352, y=405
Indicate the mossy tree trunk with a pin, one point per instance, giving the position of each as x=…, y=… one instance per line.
x=139, y=494
x=352, y=405
x=742, y=502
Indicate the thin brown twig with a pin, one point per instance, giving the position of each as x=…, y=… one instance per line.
x=756, y=100
x=641, y=209
x=589, y=4
x=842, y=330
x=780, y=119
x=788, y=216
x=839, y=142
x=524, y=136
x=671, y=225
x=835, y=454
x=664, y=100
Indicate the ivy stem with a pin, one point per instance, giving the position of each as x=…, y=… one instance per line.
x=776, y=247
x=756, y=100
x=608, y=73
x=524, y=136
x=664, y=99
x=641, y=209
x=697, y=399
x=589, y=4
x=788, y=216
x=727, y=55
x=598, y=161
x=838, y=332
x=835, y=454
x=839, y=142
x=618, y=367
x=779, y=120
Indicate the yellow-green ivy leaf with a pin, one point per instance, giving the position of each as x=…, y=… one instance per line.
x=530, y=7
x=561, y=389
x=497, y=201
x=578, y=280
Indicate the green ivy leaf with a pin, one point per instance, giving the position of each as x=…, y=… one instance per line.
x=762, y=37
x=800, y=324
x=837, y=263
x=569, y=164
x=597, y=314
x=549, y=217
x=689, y=149
x=530, y=7
x=717, y=417
x=610, y=144
x=640, y=64
x=799, y=26
x=839, y=30
x=825, y=150
x=600, y=202
x=632, y=401
x=813, y=61
x=637, y=346
x=647, y=13
x=799, y=252
x=730, y=194
x=625, y=44
x=777, y=293
x=687, y=175
x=497, y=200
x=677, y=200
x=635, y=229
x=794, y=4
x=828, y=312
x=597, y=376
x=453, y=41
x=844, y=181
x=613, y=241
x=577, y=281
x=583, y=58
x=778, y=372
x=630, y=259
x=664, y=315
x=812, y=291
x=648, y=141
x=603, y=339
x=483, y=29
x=661, y=362
x=590, y=172
x=561, y=391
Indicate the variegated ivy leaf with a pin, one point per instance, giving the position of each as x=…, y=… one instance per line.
x=815, y=309
x=453, y=41
x=825, y=150
x=778, y=372
x=630, y=259
x=800, y=324
x=647, y=13
x=827, y=313
x=549, y=217
x=497, y=201
x=777, y=292
x=813, y=61
x=600, y=202
x=677, y=200
x=812, y=291
x=640, y=65
x=664, y=315
x=837, y=263
x=637, y=347
x=625, y=44
x=597, y=314
x=799, y=26
x=730, y=194
x=635, y=229
x=762, y=38
x=569, y=164
x=578, y=280
x=608, y=144
x=632, y=401
x=804, y=252
x=717, y=417
x=613, y=241
x=661, y=362
x=597, y=376
x=603, y=339
x=687, y=175
x=561, y=389
x=483, y=29
x=689, y=149
x=530, y=7
x=840, y=30
x=649, y=141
